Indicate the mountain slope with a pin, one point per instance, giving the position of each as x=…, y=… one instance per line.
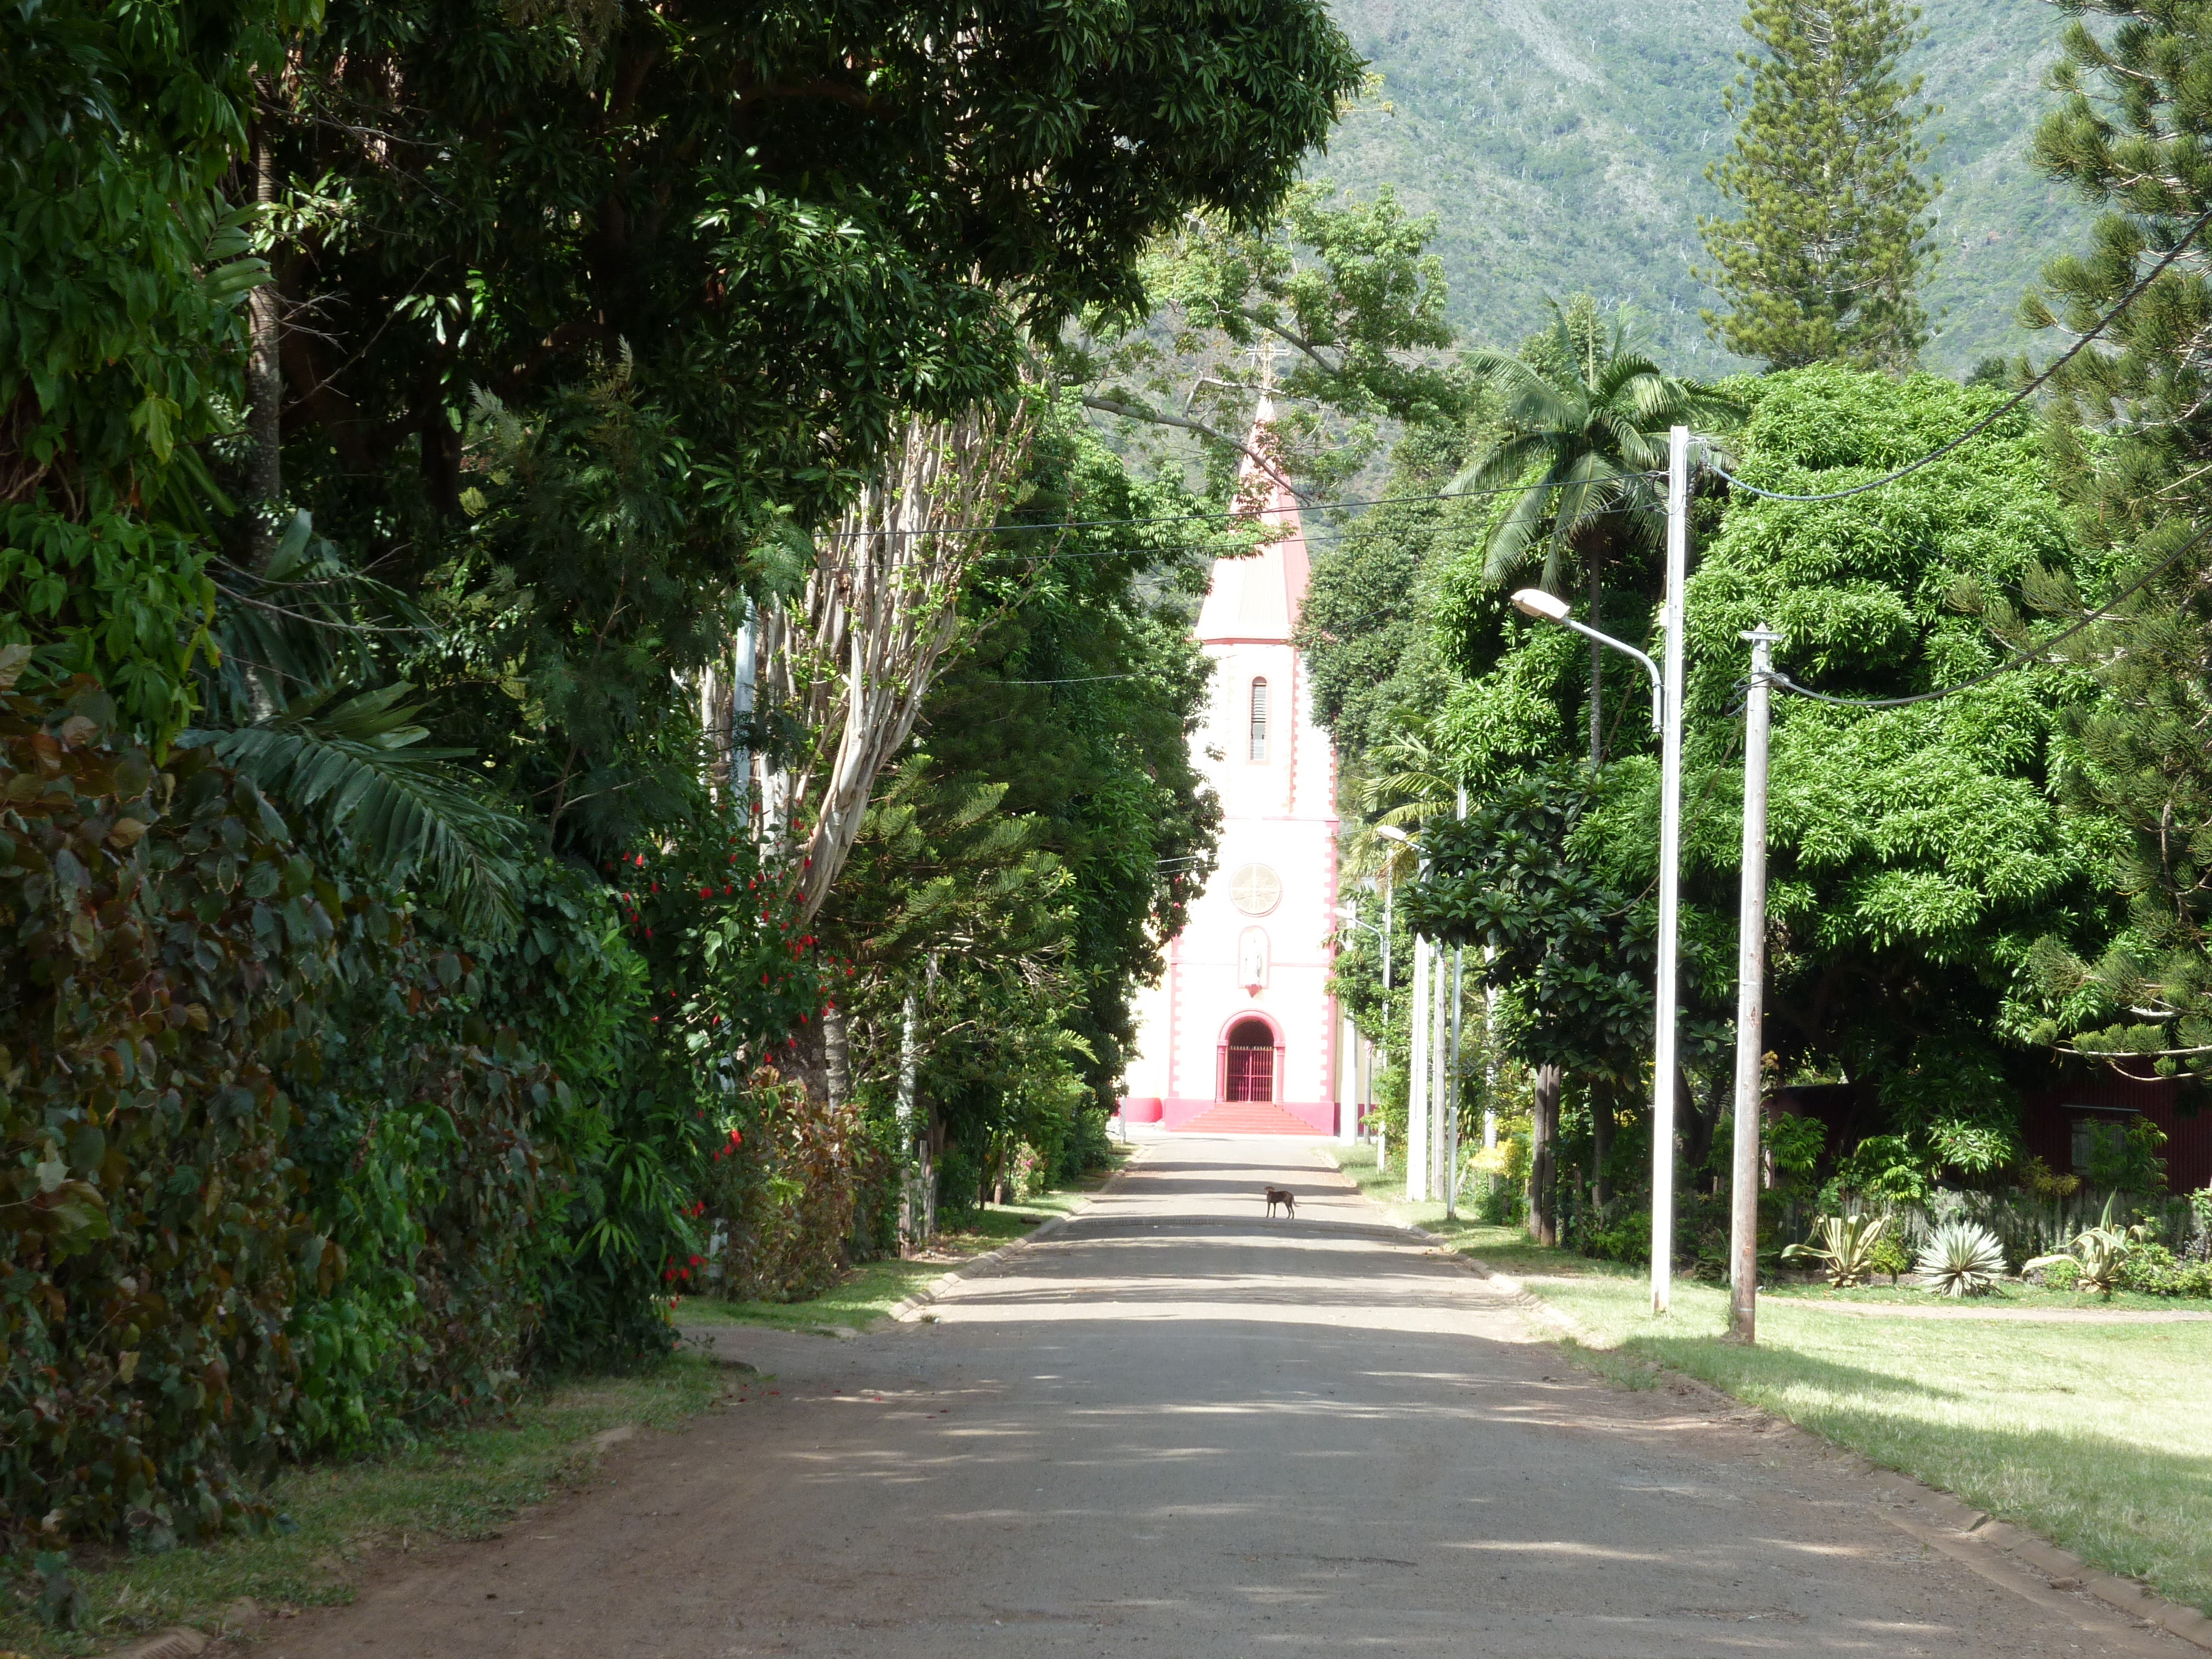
x=1564, y=143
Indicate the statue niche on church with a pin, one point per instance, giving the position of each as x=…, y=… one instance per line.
x=1252, y=960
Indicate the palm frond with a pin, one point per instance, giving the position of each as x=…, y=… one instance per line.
x=1531, y=401
x=1515, y=533
x=358, y=766
x=307, y=619
x=1507, y=462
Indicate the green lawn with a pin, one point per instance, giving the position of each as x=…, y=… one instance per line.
x=462, y=1485
x=2092, y=1436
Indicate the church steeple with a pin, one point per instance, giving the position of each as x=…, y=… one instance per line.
x=1256, y=599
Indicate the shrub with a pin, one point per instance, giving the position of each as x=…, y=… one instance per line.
x=2063, y=1273
x=1890, y=1256
x=1794, y=1145
x=1091, y=1148
x=791, y=1202
x=1960, y=1259
x=1882, y=1166
x=163, y=947
x=2126, y=1157
x=1032, y=1173
x=1843, y=1245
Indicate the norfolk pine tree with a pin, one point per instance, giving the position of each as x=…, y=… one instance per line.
x=1827, y=258
x=2131, y=435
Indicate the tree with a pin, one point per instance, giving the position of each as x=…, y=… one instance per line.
x=120, y=332
x=1585, y=422
x=781, y=214
x=1045, y=831
x=1572, y=953
x=1827, y=260
x=1336, y=305
x=2131, y=437
x=1366, y=631
x=850, y=661
x=1916, y=853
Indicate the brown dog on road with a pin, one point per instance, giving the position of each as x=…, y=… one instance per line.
x=1284, y=1196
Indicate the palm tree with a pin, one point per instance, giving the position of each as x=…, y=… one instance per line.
x=1586, y=420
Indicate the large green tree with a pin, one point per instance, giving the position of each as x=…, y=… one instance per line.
x=2131, y=438
x=1917, y=852
x=1831, y=243
x=1334, y=309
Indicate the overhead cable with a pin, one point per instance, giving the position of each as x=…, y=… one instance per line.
x=2010, y=403
x=1777, y=679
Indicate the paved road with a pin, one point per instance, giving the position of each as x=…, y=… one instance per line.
x=1175, y=1428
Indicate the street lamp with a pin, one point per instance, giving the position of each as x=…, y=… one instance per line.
x=1666, y=720
x=1551, y=608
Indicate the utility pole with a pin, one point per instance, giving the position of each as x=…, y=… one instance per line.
x=1452, y=1079
x=1750, y=1000
x=1417, y=1078
x=1451, y=1123
x=1439, y=1075
x=1671, y=860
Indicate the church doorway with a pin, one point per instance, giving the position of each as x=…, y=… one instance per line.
x=1250, y=1072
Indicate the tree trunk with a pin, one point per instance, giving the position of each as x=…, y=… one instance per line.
x=1696, y=1127
x=1544, y=1158
x=1601, y=1104
x=265, y=381
x=837, y=1069
x=1597, y=673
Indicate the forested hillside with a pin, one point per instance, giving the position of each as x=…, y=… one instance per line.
x=1564, y=145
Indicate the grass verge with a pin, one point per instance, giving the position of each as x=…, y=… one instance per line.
x=465, y=1484
x=868, y=1292
x=2091, y=1435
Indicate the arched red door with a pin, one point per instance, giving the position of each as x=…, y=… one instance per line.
x=1251, y=1068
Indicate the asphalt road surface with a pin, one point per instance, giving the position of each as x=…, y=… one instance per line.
x=1175, y=1427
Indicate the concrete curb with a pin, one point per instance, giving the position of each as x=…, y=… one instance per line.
x=905, y=1309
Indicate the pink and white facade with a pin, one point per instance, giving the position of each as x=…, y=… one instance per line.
x=1242, y=1013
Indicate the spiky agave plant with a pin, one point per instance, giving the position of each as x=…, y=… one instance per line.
x=1960, y=1258
x=1843, y=1245
x=2097, y=1251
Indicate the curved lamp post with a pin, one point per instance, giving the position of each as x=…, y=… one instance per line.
x=1666, y=720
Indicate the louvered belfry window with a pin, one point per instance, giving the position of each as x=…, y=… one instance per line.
x=1259, y=720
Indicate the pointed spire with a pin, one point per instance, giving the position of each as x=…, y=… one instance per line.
x=1257, y=598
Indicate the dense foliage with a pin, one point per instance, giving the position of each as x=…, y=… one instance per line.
x=401, y=987
x=2129, y=437
x=119, y=331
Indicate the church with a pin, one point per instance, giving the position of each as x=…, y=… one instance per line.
x=1241, y=1034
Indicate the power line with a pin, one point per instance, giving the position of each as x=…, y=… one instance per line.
x=1310, y=537
x=1080, y=679
x=1245, y=515
x=2011, y=403
x=2021, y=660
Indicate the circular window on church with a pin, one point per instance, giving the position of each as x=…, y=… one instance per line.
x=1255, y=889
